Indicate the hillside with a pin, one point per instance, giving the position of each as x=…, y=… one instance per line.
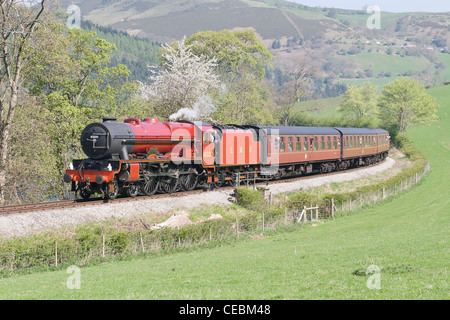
x=135, y=53
x=165, y=21
x=336, y=44
x=273, y=19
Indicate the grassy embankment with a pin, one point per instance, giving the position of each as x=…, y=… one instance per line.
x=406, y=236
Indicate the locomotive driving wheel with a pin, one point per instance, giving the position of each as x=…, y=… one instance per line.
x=149, y=186
x=132, y=190
x=169, y=184
x=189, y=181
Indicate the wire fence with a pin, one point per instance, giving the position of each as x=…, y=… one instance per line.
x=370, y=198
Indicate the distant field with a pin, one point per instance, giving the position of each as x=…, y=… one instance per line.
x=445, y=58
x=394, y=64
x=358, y=19
x=320, y=107
x=407, y=236
x=379, y=82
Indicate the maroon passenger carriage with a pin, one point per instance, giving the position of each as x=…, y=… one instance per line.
x=148, y=156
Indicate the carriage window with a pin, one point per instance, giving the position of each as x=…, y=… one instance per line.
x=298, y=145
x=290, y=144
x=316, y=143
x=334, y=143
x=328, y=143
x=346, y=138
x=322, y=143
x=305, y=144
x=351, y=142
x=282, y=144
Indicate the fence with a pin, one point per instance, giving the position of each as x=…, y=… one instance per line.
x=96, y=244
x=81, y=250
x=370, y=198
x=312, y=210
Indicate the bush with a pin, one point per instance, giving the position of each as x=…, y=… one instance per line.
x=250, y=199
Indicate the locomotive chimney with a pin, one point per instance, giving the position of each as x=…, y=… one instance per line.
x=106, y=119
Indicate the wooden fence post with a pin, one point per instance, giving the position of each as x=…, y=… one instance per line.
x=285, y=210
x=103, y=245
x=237, y=227
x=56, y=253
x=332, y=208
x=263, y=220
x=142, y=242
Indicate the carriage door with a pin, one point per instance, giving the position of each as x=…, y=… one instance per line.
x=312, y=155
x=209, y=138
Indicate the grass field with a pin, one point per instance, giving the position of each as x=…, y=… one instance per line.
x=445, y=58
x=407, y=237
x=394, y=64
x=319, y=108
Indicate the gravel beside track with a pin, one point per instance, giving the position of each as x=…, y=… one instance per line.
x=24, y=224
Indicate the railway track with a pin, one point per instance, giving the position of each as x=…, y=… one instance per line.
x=49, y=205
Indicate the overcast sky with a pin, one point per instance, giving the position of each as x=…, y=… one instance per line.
x=385, y=5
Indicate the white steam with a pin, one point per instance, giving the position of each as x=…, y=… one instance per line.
x=201, y=109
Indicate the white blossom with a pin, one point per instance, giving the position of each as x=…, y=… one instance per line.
x=183, y=79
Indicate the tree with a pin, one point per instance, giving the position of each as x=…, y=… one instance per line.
x=73, y=85
x=297, y=71
x=241, y=60
x=359, y=102
x=405, y=102
x=18, y=23
x=236, y=52
x=76, y=86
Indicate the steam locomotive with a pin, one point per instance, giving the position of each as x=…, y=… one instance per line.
x=148, y=156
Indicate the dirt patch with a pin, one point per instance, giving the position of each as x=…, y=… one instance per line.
x=259, y=236
x=181, y=218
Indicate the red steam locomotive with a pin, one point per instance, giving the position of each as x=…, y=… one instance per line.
x=147, y=156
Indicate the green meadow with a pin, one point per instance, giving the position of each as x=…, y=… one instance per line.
x=406, y=237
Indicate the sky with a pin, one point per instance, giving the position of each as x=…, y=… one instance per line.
x=385, y=5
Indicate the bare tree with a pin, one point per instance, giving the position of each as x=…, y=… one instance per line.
x=299, y=71
x=18, y=22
